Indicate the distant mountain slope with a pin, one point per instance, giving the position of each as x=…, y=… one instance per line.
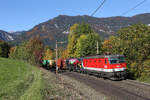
x=58, y=28
x=5, y=36
x=17, y=32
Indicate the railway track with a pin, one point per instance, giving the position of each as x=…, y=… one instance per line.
x=114, y=90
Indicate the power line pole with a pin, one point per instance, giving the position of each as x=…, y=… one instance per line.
x=56, y=57
x=97, y=48
x=57, y=53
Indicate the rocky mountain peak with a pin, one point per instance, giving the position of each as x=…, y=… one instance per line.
x=5, y=36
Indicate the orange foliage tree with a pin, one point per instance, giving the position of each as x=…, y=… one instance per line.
x=48, y=54
x=107, y=45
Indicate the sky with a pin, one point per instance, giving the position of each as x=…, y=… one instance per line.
x=18, y=15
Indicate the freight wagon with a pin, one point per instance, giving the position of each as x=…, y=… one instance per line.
x=61, y=64
x=74, y=64
x=48, y=64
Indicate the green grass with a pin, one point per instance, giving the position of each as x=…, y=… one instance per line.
x=19, y=81
x=145, y=79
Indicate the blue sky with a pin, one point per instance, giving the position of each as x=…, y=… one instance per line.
x=17, y=15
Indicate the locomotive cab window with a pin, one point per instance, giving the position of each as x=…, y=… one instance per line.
x=121, y=59
x=114, y=60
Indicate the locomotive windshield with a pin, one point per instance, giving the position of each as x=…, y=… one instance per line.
x=121, y=59
x=116, y=60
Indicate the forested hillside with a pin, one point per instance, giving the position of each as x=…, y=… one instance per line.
x=58, y=27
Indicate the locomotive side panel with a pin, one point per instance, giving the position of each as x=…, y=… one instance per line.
x=111, y=66
x=97, y=64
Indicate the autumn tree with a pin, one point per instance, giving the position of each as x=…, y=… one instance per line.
x=134, y=43
x=60, y=52
x=75, y=32
x=87, y=45
x=107, y=46
x=20, y=52
x=48, y=54
x=31, y=51
x=35, y=50
x=65, y=53
x=72, y=40
x=12, y=52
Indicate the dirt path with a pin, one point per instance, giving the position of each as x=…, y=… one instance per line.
x=62, y=87
x=114, y=90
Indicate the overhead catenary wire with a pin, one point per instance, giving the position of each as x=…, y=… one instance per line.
x=133, y=7
x=98, y=7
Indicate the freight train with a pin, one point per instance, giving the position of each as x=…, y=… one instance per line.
x=106, y=66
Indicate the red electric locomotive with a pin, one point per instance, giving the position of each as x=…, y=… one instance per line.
x=106, y=66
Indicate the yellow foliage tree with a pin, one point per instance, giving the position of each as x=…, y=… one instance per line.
x=48, y=55
x=107, y=45
x=12, y=51
x=65, y=54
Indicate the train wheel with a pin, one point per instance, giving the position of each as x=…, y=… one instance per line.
x=69, y=69
x=99, y=75
x=81, y=71
x=85, y=72
x=103, y=76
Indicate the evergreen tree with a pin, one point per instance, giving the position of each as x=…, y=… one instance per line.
x=4, y=49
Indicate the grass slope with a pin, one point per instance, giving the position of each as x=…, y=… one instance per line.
x=19, y=81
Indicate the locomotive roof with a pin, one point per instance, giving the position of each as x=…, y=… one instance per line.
x=103, y=56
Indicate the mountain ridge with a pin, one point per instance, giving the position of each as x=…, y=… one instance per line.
x=58, y=27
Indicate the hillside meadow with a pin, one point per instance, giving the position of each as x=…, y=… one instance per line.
x=19, y=81
x=22, y=81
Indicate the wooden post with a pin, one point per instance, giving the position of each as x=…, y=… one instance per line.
x=56, y=57
x=97, y=48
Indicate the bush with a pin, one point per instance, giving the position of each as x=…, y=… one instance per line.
x=4, y=49
x=31, y=51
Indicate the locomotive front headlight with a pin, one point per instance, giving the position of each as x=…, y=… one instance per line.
x=105, y=66
x=118, y=65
